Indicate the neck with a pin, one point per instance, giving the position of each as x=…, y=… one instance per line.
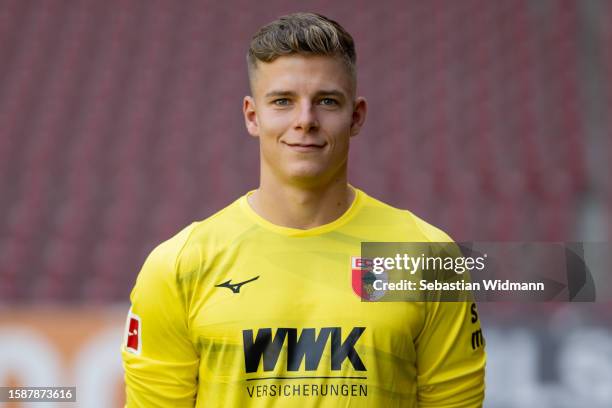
x=303, y=208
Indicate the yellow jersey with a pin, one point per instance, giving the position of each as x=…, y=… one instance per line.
x=235, y=311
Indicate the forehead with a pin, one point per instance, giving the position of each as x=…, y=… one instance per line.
x=302, y=73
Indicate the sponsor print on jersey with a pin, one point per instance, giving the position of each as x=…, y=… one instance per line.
x=304, y=345
x=363, y=278
x=301, y=351
x=477, y=337
x=133, y=338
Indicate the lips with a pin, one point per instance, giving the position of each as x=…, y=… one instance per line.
x=305, y=147
x=304, y=144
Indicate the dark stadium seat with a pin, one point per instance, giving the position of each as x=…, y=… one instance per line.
x=120, y=125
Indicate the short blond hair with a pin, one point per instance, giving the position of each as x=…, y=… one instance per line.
x=302, y=33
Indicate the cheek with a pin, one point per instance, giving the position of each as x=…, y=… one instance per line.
x=340, y=128
x=274, y=123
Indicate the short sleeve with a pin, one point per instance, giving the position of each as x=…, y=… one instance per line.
x=160, y=361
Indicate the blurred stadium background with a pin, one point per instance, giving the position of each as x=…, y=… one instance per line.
x=120, y=123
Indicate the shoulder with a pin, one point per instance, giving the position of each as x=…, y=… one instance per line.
x=217, y=231
x=161, y=264
x=172, y=268
x=400, y=221
x=190, y=248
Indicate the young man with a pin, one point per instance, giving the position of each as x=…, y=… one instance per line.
x=254, y=306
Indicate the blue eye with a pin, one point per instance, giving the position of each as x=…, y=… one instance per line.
x=281, y=102
x=328, y=102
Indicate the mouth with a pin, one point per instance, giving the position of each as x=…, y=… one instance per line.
x=305, y=147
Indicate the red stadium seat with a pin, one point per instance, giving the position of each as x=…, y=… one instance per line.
x=114, y=134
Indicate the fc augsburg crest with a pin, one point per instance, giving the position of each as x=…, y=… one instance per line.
x=363, y=279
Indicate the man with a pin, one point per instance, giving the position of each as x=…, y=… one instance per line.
x=254, y=305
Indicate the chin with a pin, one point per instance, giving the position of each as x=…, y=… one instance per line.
x=306, y=174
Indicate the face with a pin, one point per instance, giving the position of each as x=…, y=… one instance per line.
x=304, y=112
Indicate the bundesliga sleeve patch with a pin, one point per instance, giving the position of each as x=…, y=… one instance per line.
x=133, y=338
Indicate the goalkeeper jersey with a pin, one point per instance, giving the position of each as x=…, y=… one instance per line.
x=235, y=311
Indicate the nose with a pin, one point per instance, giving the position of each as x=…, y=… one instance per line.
x=306, y=120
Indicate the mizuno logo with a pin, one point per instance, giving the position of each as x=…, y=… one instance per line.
x=235, y=287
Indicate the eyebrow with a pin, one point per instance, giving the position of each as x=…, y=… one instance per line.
x=331, y=92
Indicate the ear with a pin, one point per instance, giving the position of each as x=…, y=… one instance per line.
x=250, y=116
x=359, y=114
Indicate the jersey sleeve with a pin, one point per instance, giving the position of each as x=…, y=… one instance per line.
x=450, y=357
x=159, y=359
x=450, y=347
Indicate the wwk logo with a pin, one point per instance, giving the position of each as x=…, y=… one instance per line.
x=267, y=346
